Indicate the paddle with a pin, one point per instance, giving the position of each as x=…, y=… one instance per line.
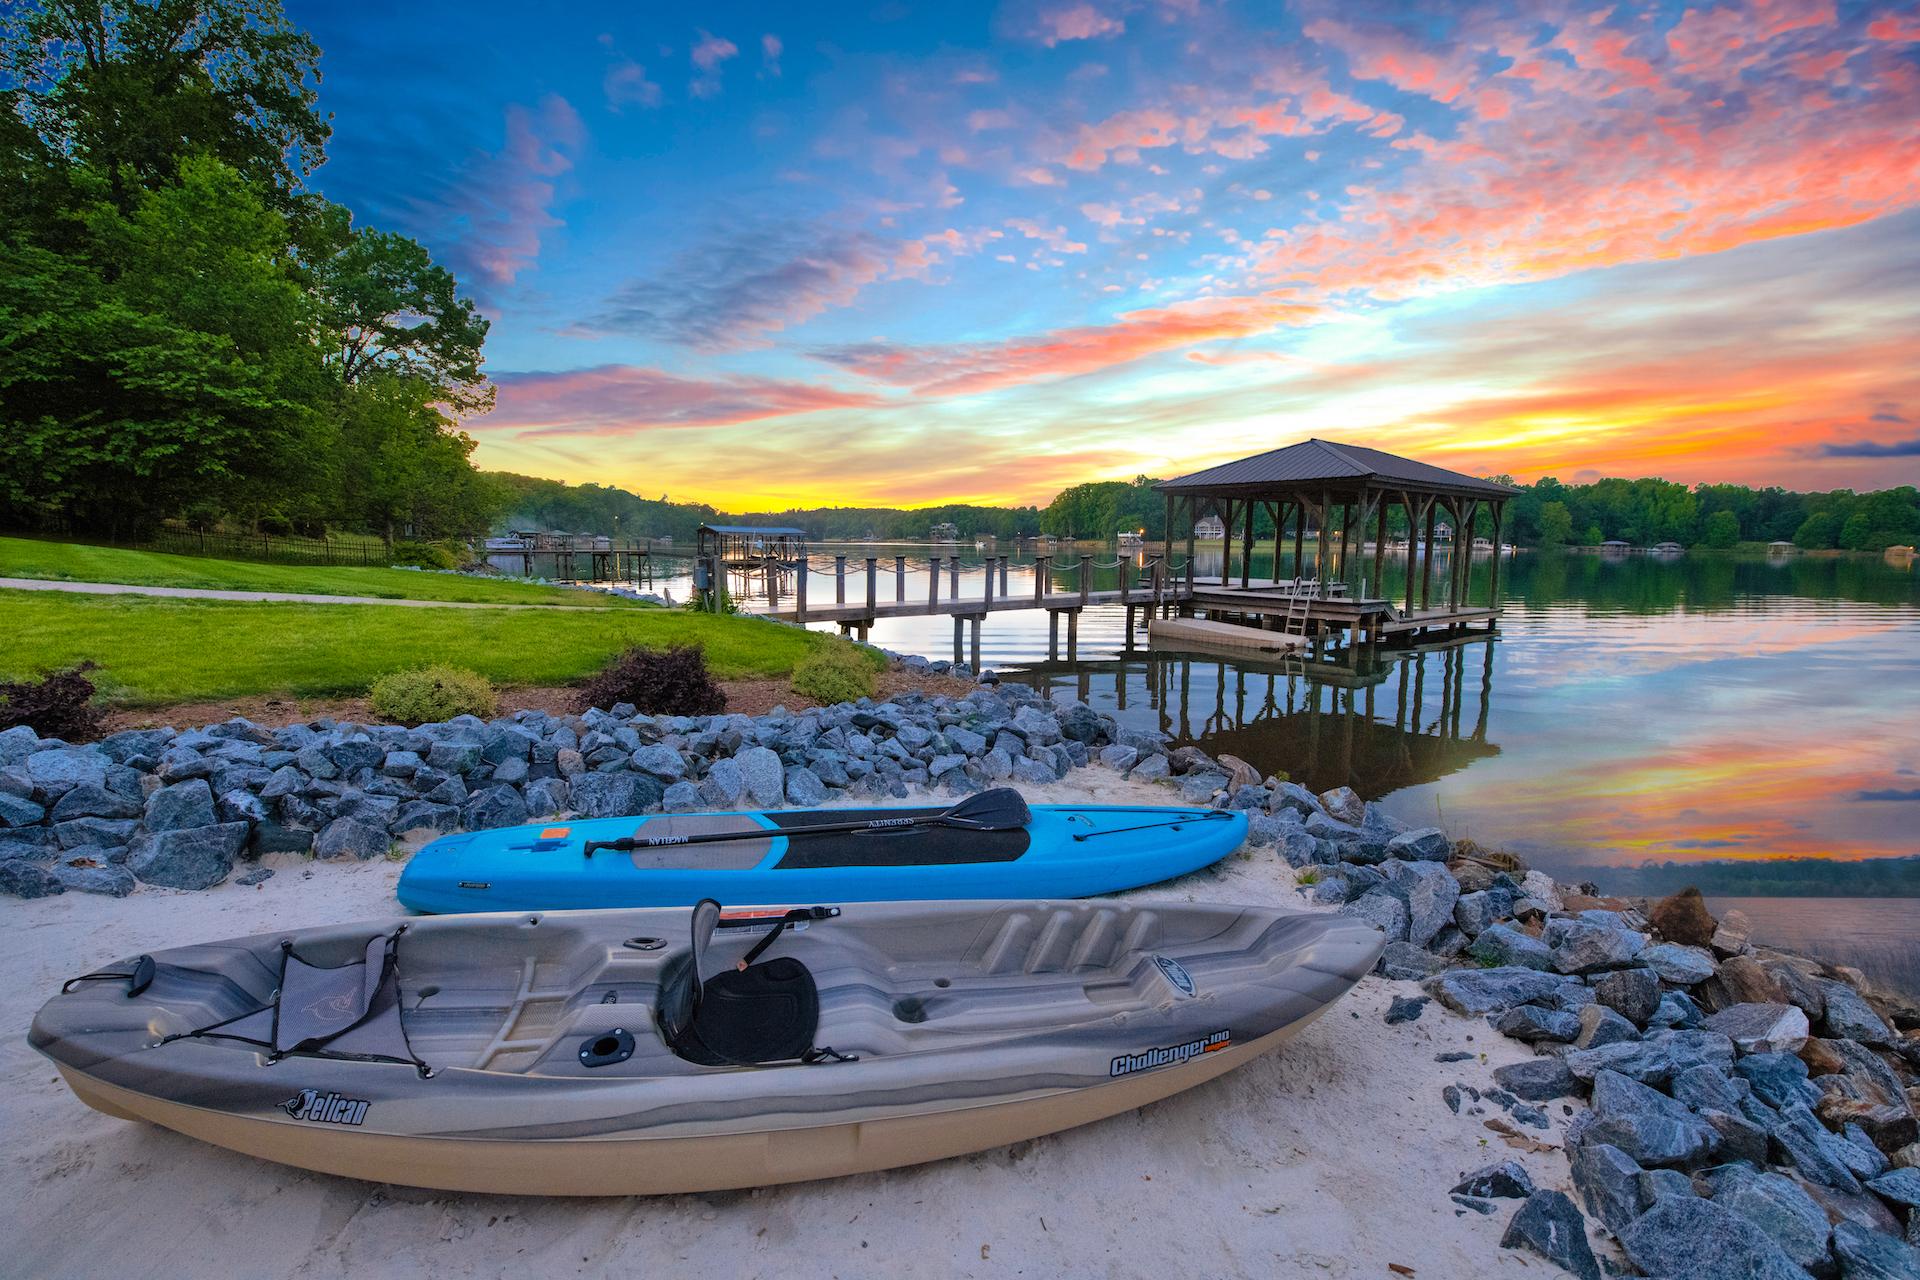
x=1001, y=809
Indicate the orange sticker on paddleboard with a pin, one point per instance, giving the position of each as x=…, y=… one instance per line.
x=555, y=833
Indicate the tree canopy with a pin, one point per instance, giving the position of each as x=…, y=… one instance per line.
x=190, y=330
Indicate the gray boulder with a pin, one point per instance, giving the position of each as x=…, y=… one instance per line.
x=89, y=801
x=1382, y=910
x=1548, y=1224
x=724, y=786
x=182, y=805
x=1800, y=1139
x=77, y=832
x=274, y=837
x=1477, y=912
x=1116, y=757
x=1702, y=1240
x=1600, y=1025
x=1345, y=805
x=497, y=806
x=660, y=760
x=1402, y=961
x=1632, y=993
x=1291, y=795
x=1608, y=1180
x=16, y=811
x=1707, y=1088
x=1657, y=1058
x=547, y=796
x=1682, y=966
x=1508, y=1180
x=1584, y=946
x=416, y=817
x=1677, y=1009
x=616, y=795
x=1762, y=1028
x=1429, y=891
x=190, y=857
x=1647, y=1125
x=350, y=838
x=1531, y=1023
x=60, y=770
x=763, y=776
x=1537, y=1079
x=805, y=788
x=1848, y=1015
x=1901, y=1187
x=681, y=797
x=1788, y=1215
x=1871, y=1255
x=102, y=878
x=1476, y=992
x=29, y=878
x=1428, y=844
x=1504, y=946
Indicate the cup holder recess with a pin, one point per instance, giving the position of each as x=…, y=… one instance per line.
x=605, y=1048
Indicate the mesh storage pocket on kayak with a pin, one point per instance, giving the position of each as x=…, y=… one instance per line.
x=350, y=1010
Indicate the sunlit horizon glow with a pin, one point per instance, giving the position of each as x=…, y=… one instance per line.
x=821, y=257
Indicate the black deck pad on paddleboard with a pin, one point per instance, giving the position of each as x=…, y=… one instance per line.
x=896, y=847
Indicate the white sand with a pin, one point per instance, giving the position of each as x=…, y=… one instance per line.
x=1329, y=1158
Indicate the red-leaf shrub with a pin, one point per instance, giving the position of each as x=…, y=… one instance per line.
x=60, y=706
x=666, y=682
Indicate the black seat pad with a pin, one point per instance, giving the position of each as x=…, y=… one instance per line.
x=767, y=1012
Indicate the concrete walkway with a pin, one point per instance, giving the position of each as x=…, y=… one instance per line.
x=284, y=597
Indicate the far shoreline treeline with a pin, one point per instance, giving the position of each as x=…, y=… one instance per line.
x=1761, y=878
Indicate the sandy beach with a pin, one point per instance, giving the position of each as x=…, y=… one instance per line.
x=1331, y=1158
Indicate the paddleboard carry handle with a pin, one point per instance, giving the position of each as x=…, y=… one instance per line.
x=1001, y=809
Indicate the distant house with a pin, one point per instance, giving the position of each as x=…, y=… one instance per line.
x=1483, y=544
x=1443, y=532
x=1779, y=547
x=1129, y=539
x=1617, y=546
x=944, y=533
x=1668, y=548
x=1209, y=527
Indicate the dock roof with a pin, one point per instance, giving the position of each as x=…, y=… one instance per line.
x=748, y=530
x=1324, y=463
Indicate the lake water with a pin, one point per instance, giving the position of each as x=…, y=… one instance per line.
x=1692, y=709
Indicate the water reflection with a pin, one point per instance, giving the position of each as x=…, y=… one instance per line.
x=1385, y=724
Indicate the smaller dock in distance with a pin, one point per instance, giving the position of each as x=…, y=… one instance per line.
x=1337, y=496
x=574, y=557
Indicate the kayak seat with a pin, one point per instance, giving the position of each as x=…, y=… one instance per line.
x=741, y=1017
x=767, y=1012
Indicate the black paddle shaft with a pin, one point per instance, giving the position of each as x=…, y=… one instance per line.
x=1001, y=809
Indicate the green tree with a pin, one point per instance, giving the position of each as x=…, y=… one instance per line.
x=131, y=87
x=1856, y=534
x=405, y=470
x=387, y=306
x=1555, y=523
x=167, y=366
x=1722, y=530
x=1817, y=532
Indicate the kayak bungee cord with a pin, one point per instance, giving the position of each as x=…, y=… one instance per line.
x=1209, y=815
x=1001, y=809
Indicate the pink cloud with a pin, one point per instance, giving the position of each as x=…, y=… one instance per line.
x=770, y=50
x=708, y=54
x=1077, y=22
x=619, y=399
x=503, y=207
x=627, y=82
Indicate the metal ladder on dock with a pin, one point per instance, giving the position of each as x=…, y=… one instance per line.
x=1299, y=606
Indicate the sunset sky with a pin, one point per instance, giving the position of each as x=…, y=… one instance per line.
x=880, y=254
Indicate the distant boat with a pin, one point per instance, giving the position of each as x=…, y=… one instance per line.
x=1667, y=548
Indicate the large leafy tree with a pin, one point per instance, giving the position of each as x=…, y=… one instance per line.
x=387, y=307
x=129, y=87
x=167, y=366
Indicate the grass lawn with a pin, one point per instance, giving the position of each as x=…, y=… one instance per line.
x=76, y=562
x=156, y=651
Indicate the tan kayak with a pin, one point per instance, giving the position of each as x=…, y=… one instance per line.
x=673, y=1050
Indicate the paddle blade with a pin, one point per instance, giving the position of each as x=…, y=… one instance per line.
x=1001, y=809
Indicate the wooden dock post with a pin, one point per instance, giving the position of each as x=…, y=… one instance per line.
x=1086, y=577
x=900, y=579
x=1053, y=635
x=873, y=584
x=839, y=579
x=959, y=635
x=933, y=587
x=1073, y=635
x=1042, y=571
x=1003, y=577
x=953, y=583
x=973, y=645
x=773, y=582
x=799, y=590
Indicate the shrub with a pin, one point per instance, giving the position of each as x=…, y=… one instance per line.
x=59, y=706
x=424, y=554
x=432, y=693
x=834, y=672
x=668, y=682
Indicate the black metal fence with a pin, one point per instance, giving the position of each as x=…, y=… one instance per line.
x=261, y=546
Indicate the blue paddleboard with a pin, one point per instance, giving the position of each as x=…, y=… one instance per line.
x=1063, y=851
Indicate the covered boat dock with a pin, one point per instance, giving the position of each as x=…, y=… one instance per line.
x=1338, y=497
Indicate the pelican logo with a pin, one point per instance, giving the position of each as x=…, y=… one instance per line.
x=1176, y=974
x=332, y=1008
x=325, y=1108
